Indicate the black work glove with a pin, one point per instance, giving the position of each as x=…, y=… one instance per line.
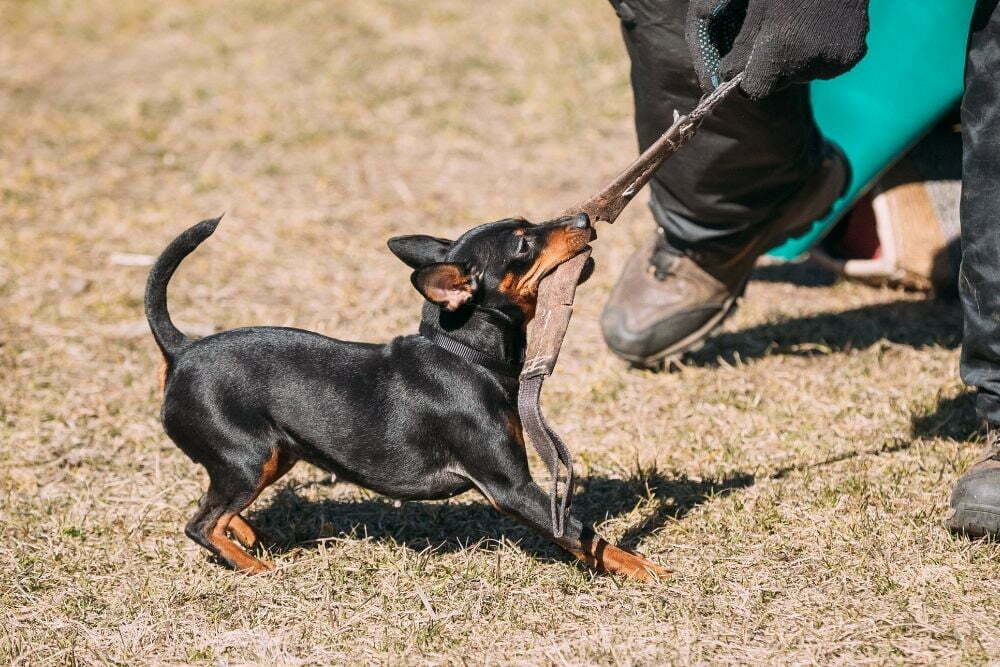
x=775, y=42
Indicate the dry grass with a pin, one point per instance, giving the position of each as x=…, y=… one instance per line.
x=794, y=473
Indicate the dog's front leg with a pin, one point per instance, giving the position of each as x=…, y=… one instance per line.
x=530, y=504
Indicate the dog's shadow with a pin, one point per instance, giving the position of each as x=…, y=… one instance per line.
x=293, y=521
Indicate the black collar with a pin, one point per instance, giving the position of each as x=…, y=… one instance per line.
x=470, y=354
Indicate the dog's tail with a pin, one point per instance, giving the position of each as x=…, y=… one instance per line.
x=171, y=339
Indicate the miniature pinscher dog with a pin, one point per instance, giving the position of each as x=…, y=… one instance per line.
x=412, y=419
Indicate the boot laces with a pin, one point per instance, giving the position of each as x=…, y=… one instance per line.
x=664, y=257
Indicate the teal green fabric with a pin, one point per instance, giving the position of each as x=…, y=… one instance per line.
x=911, y=76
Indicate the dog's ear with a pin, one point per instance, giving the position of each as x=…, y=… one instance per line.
x=447, y=284
x=419, y=250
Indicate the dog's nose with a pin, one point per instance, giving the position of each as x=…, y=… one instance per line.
x=580, y=221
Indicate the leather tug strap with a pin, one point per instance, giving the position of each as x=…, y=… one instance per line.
x=556, y=293
x=469, y=353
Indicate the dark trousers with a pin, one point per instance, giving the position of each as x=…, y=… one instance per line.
x=749, y=156
x=979, y=278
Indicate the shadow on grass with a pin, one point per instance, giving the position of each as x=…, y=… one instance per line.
x=904, y=322
x=803, y=274
x=606, y=498
x=954, y=418
x=293, y=521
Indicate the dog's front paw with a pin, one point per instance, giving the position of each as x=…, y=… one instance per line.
x=649, y=570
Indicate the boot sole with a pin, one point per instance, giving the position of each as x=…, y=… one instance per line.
x=693, y=341
x=975, y=522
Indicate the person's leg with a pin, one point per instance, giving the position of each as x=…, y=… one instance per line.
x=746, y=158
x=976, y=498
x=743, y=183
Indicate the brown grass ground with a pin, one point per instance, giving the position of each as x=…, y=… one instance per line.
x=794, y=474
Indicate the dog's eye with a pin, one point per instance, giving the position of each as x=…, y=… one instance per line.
x=522, y=246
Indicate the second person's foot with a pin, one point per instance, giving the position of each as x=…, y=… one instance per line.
x=975, y=500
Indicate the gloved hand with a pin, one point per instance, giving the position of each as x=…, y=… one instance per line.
x=775, y=42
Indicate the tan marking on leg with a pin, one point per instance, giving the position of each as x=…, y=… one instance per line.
x=512, y=424
x=274, y=467
x=243, y=532
x=268, y=471
x=605, y=557
x=233, y=554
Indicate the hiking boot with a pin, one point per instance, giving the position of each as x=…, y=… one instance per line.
x=976, y=497
x=668, y=300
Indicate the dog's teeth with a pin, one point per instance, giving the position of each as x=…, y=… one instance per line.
x=333, y=478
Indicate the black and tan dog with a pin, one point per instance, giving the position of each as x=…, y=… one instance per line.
x=413, y=419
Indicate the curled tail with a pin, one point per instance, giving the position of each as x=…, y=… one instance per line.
x=168, y=337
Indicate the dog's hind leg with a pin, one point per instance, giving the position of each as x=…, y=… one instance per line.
x=230, y=491
x=244, y=532
x=274, y=469
x=209, y=524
